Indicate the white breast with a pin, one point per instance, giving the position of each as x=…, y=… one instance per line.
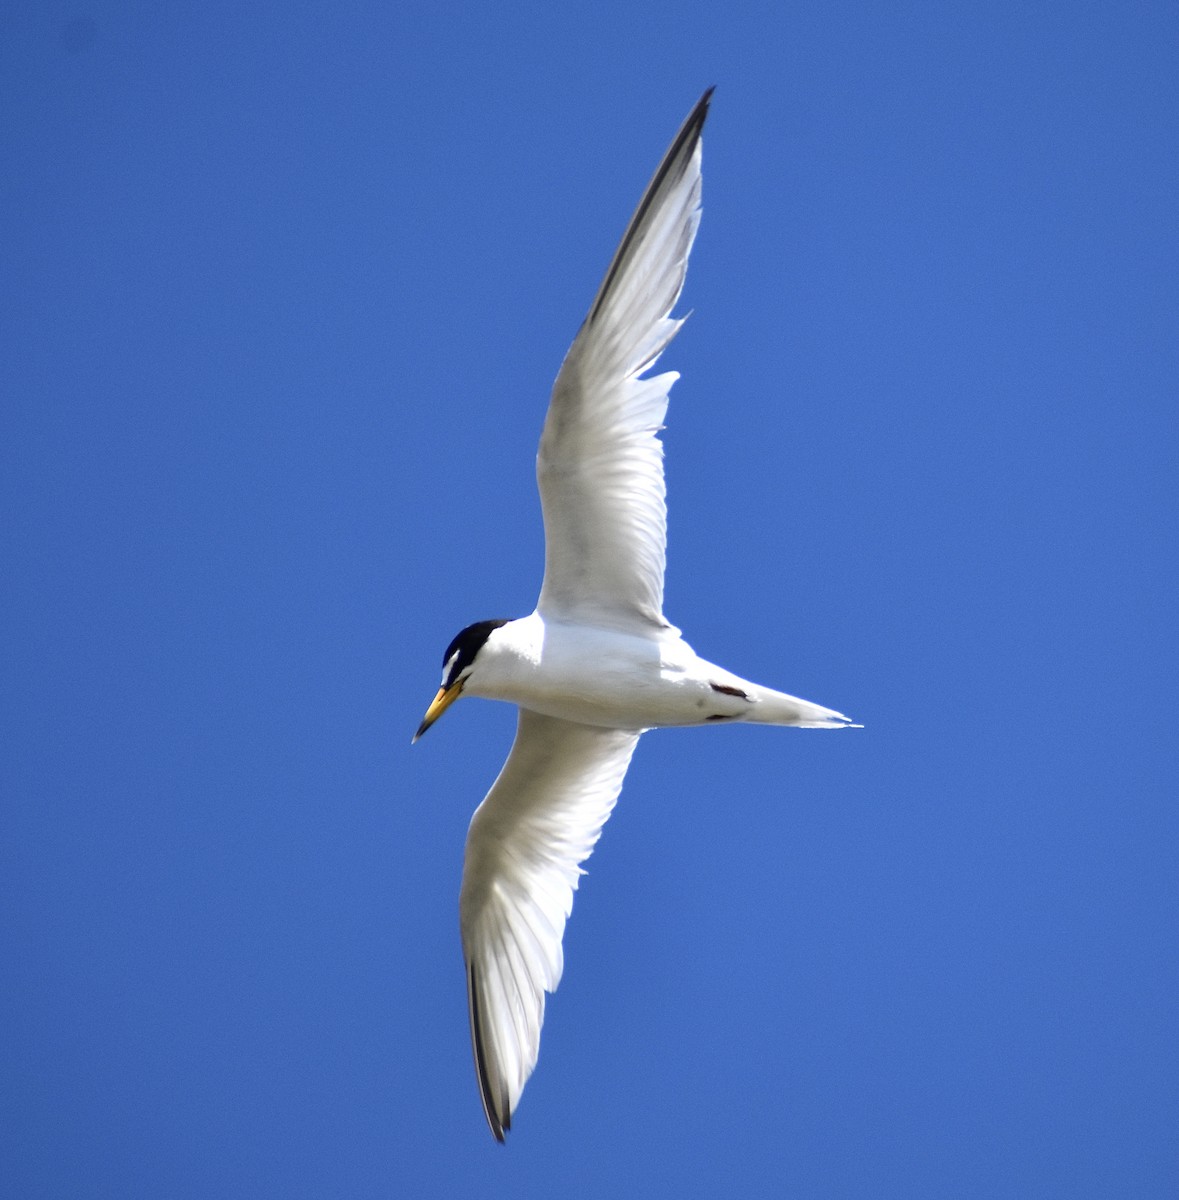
x=597, y=676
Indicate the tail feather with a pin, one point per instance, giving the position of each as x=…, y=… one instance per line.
x=777, y=708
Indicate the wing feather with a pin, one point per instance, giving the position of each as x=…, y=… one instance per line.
x=600, y=463
x=527, y=839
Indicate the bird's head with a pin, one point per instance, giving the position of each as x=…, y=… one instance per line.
x=458, y=662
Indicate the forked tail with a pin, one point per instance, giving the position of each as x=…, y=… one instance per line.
x=777, y=708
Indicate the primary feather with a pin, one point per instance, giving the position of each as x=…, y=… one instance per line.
x=600, y=464
x=538, y=823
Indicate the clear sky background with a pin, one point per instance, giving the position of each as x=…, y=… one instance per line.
x=284, y=288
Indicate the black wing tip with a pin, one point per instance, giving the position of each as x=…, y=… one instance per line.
x=694, y=123
x=684, y=140
x=678, y=153
x=499, y=1126
x=701, y=109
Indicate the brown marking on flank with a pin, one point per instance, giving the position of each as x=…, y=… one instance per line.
x=726, y=690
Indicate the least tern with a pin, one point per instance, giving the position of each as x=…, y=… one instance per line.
x=597, y=663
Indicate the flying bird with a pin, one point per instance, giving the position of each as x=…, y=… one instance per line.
x=597, y=663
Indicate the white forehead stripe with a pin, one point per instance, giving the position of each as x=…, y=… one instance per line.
x=447, y=665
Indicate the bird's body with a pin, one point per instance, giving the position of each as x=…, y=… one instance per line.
x=618, y=679
x=597, y=663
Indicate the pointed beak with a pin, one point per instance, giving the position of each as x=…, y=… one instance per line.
x=445, y=698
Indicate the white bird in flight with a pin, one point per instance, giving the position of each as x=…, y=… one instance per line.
x=597, y=663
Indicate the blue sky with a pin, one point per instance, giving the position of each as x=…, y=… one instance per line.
x=284, y=289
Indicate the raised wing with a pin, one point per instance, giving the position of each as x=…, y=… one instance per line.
x=600, y=464
x=540, y=820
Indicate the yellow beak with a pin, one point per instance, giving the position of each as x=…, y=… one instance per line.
x=445, y=698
